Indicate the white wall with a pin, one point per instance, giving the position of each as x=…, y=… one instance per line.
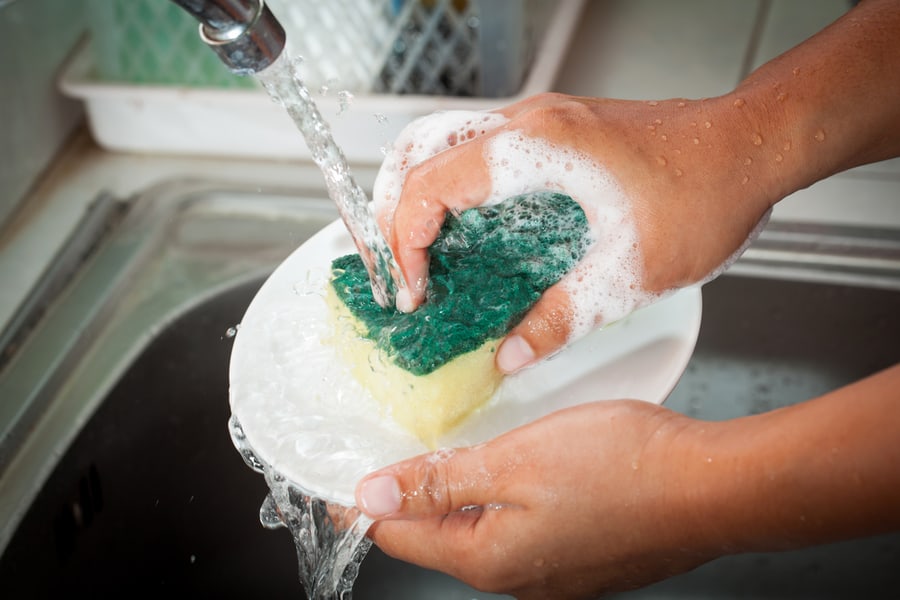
x=35, y=38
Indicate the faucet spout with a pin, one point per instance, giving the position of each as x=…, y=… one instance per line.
x=243, y=33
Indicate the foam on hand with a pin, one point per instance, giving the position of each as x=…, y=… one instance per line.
x=606, y=285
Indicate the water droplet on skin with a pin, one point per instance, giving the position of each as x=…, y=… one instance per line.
x=787, y=146
x=820, y=135
x=539, y=562
x=678, y=172
x=682, y=104
x=652, y=103
x=748, y=161
x=779, y=157
x=738, y=103
x=781, y=97
x=757, y=140
x=658, y=121
x=696, y=140
x=746, y=179
x=707, y=124
x=796, y=70
x=651, y=127
x=664, y=137
x=661, y=160
x=635, y=465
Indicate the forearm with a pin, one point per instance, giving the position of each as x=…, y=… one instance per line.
x=816, y=472
x=829, y=104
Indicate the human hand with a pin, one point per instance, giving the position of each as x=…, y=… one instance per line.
x=664, y=186
x=584, y=501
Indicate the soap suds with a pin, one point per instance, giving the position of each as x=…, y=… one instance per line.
x=606, y=285
x=422, y=139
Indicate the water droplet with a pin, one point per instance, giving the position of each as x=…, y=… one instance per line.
x=661, y=160
x=746, y=179
x=635, y=465
x=779, y=157
x=539, y=562
x=696, y=140
x=682, y=104
x=739, y=103
x=344, y=100
x=658, y=121
x=787, y=146
x=664, y=137
x=820, y=135
x=757, y=140
x=748, y=161
x=651, y=127
x=232, y=331
x=796, y=70
x=781, y=97
x=707, y=124
x=678, y=172
x=652, y=103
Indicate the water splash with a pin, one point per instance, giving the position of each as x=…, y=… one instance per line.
x=284, y=84
x=330, y=538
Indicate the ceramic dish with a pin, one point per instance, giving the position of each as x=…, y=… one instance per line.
x=305, y=416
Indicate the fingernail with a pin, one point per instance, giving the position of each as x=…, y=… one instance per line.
x=514, y=354
x=380, y=496
x=404, y=301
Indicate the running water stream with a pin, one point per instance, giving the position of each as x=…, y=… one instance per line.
x=329, y=538
x=284, y=84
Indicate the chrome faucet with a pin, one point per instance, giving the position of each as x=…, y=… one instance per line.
x=244, y=33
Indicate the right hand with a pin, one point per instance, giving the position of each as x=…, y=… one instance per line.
x=689, y=195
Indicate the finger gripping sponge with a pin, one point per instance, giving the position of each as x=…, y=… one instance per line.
x=489, y=265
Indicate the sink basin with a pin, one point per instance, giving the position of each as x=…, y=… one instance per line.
x=117, y=473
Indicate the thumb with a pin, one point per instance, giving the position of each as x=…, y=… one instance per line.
x=430, y=485
x=544, y=330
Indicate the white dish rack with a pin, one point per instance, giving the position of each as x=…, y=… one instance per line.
x=159, y=119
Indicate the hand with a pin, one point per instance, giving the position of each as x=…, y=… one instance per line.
x=570, y=506
x=618, y=494
x=652, y=177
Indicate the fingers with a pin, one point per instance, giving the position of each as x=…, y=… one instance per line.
x=450, y=543
x=455, y=179
x=430, y=485
x=544, y=330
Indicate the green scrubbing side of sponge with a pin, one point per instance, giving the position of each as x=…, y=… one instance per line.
x=488, y=266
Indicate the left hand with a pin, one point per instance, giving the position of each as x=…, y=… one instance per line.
x=581, y=502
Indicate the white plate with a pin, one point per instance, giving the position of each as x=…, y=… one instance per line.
x=306, y=417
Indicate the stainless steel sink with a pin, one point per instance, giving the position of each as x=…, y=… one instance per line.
x=117, y=474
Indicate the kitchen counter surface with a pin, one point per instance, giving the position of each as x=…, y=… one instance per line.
x=629, y=49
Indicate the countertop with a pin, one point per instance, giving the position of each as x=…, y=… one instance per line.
x=622, y=48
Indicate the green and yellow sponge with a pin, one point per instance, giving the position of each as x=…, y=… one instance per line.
x=432, y=368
